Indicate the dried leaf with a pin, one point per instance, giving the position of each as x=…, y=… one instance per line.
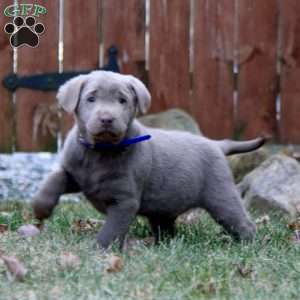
x=81, y=226
x=95, y=223
x=26, y=215
x=133, y=244
x=294, y=225
x=148, y=241
x=68, y=260
x=3, y=228
x=28, y=230
x=208, y=287
x=211, y=286
x=115, y=264
x=86, y=225
x=267, y=238
x=15, y=267
x=295, y=238
x=265, y=219
x=245, y=271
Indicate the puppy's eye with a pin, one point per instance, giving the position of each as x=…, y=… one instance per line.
x=122, y=100
x=90, y=99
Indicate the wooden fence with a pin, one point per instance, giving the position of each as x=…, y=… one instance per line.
x=232, y=64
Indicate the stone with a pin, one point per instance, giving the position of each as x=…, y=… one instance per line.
x=274, y=185
x=242, y=164
x=21, y=175
x=28, y=230
x=174, y=119
x=191, y=217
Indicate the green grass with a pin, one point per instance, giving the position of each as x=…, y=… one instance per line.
x=201, y=263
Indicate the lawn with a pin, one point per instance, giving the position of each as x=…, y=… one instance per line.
x=201, y=263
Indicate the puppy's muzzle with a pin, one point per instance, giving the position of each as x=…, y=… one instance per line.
x=106, y=121
x=107, y=136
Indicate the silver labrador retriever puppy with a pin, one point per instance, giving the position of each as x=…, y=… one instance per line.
x=109, y=157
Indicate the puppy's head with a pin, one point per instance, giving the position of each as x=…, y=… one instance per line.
x=104, y=103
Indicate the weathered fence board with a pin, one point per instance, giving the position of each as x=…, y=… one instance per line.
x=290, y=75
x=6, y=104
x=169, y=78
x=81, y=40
x=35, y=110
x=123, y=25
x=223, y=32
x=257, y=85
x=212, y=98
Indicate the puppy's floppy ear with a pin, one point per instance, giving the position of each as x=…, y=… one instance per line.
x=68, y=94
x=142, y=94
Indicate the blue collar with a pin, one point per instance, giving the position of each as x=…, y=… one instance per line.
x=109, y=146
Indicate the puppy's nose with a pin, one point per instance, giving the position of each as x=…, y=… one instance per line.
x=106, y=120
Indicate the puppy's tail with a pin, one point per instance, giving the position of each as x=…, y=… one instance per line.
x=230, y=147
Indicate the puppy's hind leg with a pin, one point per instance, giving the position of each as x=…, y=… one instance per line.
x=162, y=227
x=222, y=201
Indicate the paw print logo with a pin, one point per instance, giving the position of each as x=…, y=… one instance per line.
x=24, y=32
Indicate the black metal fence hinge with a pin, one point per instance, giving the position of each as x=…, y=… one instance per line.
x=52, y=81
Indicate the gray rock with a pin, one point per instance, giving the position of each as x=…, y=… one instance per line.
x=275, y=184
x=190, y=217
x=172, y=119
x=242, y=164
x=22, y=173
x=28, y=230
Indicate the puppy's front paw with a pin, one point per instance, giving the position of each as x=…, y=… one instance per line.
x=41, y=209
x=247, y=231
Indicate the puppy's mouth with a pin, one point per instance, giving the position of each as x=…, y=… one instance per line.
x=107, y=137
